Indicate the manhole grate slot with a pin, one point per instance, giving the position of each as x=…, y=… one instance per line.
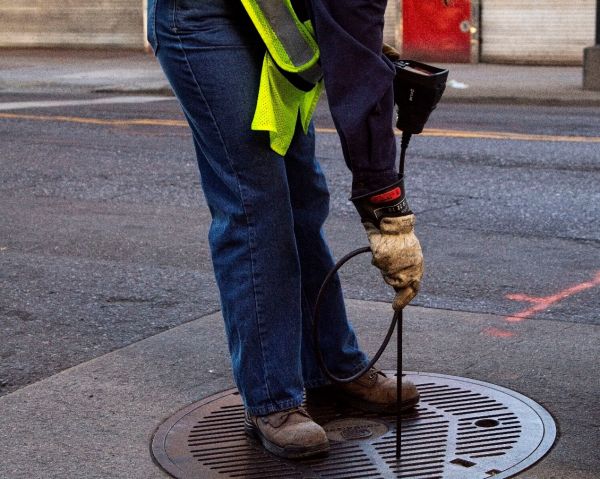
x=462, y=429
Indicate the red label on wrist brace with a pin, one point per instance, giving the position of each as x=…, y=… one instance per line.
x=387, y=196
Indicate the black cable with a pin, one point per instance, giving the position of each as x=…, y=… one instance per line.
x=403, y=147
x=396, y=321
x=316, y=318
x=399, y=386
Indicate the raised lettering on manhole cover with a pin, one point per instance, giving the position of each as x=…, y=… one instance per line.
x=353, y=429
x=462, y=429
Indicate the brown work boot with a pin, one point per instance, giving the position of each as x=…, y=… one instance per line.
x=291, y=434
x=372, y=392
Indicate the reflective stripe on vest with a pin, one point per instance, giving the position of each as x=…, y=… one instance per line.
x=289, y=41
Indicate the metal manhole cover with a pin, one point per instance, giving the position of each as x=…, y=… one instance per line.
x=462, y=429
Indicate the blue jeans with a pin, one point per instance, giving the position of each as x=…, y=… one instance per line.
x=266, y=239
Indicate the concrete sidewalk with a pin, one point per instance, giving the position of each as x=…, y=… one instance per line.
x=95, y=420
x=97, y=71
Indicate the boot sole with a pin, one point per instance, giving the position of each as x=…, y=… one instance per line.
x=288, y=452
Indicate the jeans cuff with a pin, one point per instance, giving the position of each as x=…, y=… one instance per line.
x=275, y=407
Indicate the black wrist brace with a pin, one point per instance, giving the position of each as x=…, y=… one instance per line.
x=383, y=203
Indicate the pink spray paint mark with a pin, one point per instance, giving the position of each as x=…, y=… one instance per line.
x=542, y=303
x=499, y=333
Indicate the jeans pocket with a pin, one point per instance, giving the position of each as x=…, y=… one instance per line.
x=214, y=22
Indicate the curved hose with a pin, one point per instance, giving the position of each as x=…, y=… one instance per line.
x=316, y=317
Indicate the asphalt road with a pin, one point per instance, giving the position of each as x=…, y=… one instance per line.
x=103, y=225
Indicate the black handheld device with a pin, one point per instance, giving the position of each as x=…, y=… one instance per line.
x=418, y=88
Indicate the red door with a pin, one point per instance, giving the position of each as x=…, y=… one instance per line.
x=434, y=32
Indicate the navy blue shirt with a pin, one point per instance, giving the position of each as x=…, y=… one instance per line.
x=359, y=85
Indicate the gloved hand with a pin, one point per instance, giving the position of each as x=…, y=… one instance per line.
x=389, y=224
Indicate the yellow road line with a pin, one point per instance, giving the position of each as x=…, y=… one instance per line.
x=432, y=132
x=94, y=121
x=493, y=135
x=504, y=135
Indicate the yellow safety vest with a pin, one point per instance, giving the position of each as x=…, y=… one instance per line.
x=291, y=47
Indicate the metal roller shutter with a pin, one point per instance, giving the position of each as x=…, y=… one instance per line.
x=71, y=23
x=391, y=20
x=536, y=31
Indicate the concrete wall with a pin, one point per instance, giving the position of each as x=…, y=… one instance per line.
x=48, y=23
x=521, y=31
x=391, y=23
x=119, y=23
x=541, y=32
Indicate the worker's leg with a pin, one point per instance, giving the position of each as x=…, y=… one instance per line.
x=213, y=62
x=310, y=202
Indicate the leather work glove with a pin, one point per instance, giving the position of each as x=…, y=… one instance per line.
x=391, y=53
x=389, y=224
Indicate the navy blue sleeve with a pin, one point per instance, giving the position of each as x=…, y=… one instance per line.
x=359, y=85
